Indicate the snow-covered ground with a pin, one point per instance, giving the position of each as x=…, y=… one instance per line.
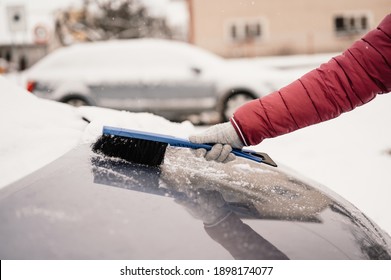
x=351, y=154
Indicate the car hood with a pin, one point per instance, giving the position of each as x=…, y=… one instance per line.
x=87, y=206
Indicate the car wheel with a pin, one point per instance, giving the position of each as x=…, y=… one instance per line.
x=234, y=102
x=77, y=102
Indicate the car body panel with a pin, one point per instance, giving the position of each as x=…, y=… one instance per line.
x=87, y=206
x=187, y=96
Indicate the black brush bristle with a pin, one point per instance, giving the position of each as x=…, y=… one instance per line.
x=131, y=149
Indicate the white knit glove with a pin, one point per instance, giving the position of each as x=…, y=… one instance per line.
x=225, y=137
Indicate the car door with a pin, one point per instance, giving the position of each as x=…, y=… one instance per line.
x=156, y=76
x=174, y=81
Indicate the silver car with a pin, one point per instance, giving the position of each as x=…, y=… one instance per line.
x=169, y=78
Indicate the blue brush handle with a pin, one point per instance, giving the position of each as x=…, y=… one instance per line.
x=180, y=142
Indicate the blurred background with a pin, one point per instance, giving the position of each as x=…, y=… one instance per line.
x=241, y=50
x=29, y=30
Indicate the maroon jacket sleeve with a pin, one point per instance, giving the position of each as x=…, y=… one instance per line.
x=349, y=80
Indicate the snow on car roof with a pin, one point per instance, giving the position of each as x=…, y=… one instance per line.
x=119, y=58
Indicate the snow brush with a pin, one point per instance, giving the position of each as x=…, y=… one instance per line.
x=149, y=148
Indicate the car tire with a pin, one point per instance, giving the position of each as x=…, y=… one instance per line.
x=233, y=102
x=76, y=101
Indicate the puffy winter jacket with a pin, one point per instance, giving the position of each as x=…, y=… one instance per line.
x=345, y=82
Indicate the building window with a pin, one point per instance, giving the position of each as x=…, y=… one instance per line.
x=242, y=30
x=253, y=31
x=351, y=24
x=233, y=32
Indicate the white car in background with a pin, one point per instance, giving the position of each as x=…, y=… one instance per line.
x=168, y=78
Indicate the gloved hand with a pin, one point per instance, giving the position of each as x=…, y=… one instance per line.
x=225, y=137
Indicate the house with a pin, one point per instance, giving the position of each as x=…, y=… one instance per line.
x=249, y=28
